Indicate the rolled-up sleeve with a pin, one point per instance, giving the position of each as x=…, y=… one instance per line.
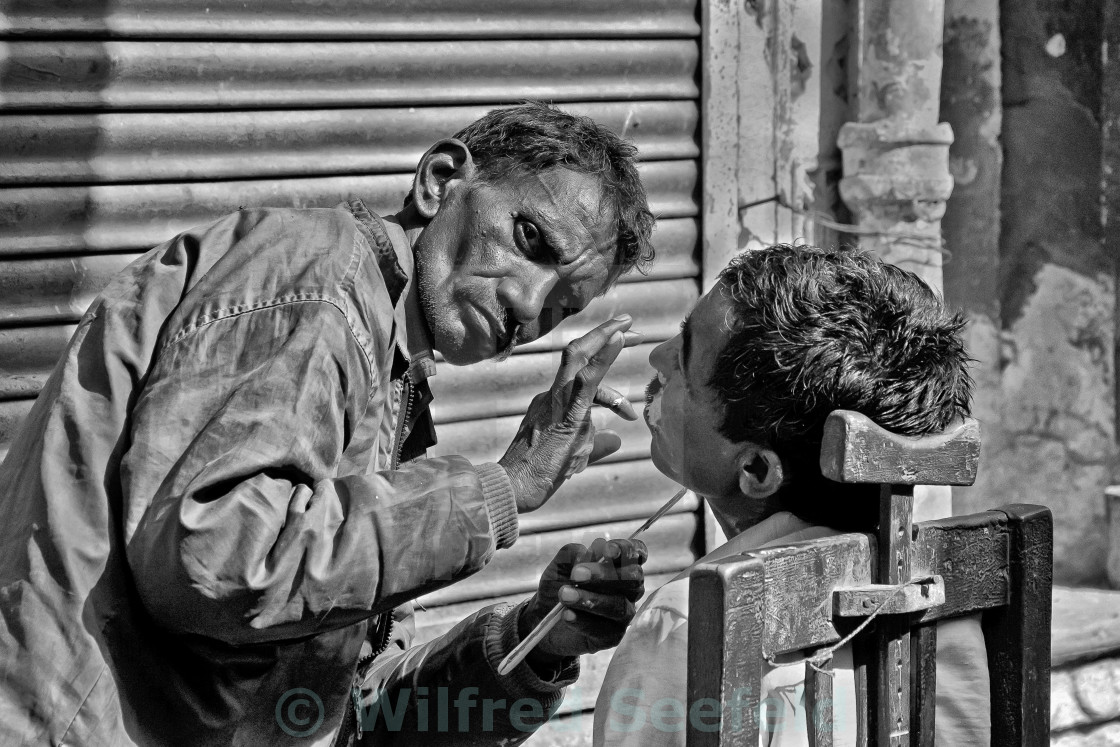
x=239, y=525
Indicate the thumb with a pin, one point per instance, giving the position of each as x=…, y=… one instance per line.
x=566, y=557
x=606, y=443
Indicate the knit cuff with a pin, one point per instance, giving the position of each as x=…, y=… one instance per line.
x=501, y=638
x=501, y=505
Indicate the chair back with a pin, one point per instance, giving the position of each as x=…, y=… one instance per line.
x=750, y=608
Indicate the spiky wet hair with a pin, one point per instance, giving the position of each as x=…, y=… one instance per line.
x=815, y=330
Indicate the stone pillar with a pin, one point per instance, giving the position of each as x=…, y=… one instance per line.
x=1112, y=537
x=895, y=153
x=970, y=102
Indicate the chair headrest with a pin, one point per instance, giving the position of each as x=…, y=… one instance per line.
x=856, y=450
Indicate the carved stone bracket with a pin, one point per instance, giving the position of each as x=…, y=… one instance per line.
x=896, y=182
x=895, y=154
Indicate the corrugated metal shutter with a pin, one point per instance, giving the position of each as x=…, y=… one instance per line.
x=123, y=124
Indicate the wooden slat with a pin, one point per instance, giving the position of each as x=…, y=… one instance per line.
x=923, y=697
x=725, y=647
x=843, y=560
x=806, y=620
x=518, y=569
x=138, y=216
x=208, y=75
x=856, y=450
x=970, y=553
x=347, y=19
x=99, y=148
x=493, y=389
x=967, y=550
x=890, y=720
x=863, y=660
x=1018, y=636
x=818, y=707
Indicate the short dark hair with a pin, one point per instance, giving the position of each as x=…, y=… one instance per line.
x=815, y=330
x=535, y=136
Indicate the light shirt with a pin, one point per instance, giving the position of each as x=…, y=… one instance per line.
x=643, y=700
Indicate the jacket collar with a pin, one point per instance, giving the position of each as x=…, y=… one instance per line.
x=396, y=279
x=393, y=252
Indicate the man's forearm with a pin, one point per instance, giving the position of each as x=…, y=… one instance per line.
x=447, y=691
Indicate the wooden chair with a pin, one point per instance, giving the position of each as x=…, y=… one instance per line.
x=802, y=597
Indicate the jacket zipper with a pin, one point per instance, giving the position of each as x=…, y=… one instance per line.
x=356, y=692
x=402, y=422
x=402, y=419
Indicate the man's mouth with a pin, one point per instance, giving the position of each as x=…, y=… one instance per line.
x=505, y=336
x=652, y=390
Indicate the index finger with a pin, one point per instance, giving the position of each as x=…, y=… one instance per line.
x=585, y=385
x=579, y=352
x=628, y=551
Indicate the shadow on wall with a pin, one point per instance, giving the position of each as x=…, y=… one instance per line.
x=46, y=71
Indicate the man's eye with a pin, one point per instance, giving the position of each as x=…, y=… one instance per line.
x=529, y=240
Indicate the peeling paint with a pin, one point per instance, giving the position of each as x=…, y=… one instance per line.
x=756, y=9
x=964, y=170
x=1050, y=438
x=801, y=69
x=1056, y=45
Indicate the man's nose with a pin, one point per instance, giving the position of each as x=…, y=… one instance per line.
x=661, y=356
x=525, y=297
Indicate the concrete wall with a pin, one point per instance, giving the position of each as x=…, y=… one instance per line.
x=1028, y=263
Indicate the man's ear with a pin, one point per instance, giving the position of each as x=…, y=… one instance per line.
x=760, y=471
x=445, y=161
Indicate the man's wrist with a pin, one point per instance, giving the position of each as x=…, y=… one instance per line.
x=524, y=680
x=545, y=665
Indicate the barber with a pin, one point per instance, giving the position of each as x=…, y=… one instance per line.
x=220, y=497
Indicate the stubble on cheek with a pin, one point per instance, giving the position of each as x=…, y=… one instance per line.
x=439, y=312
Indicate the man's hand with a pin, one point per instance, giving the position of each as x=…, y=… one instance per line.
x=556, y=438
x=599, y=586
